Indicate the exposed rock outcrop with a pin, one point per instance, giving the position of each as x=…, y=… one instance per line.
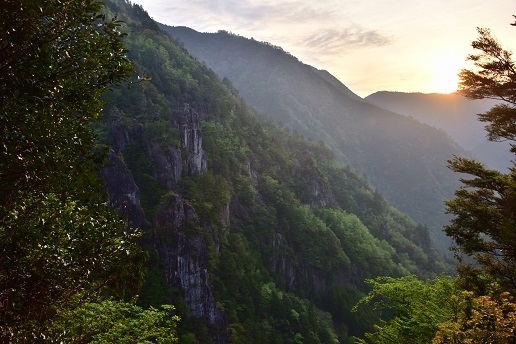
x=281, y=264
x=167, y=164
x=183, y=252
x=177, y=236
x=123, y=192
x=118, y=133
x=320, y=194
x=187, y=120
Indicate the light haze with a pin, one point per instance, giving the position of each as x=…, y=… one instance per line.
x=403, y=45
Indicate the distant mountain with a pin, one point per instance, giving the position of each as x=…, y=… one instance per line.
x=454, y=114
x=403, y=158
x=255, y=234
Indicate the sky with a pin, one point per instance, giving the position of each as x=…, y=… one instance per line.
x=382, y=45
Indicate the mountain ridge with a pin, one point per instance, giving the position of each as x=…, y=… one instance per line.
x=382, y=144
x=454, y=114
x=249, y=226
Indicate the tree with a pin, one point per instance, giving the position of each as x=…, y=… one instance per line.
x=59, y=241
x=489, y=319
x=114, y=322
x=494, y=77
x=415, y=309
x=484, y=208
x=483, y=227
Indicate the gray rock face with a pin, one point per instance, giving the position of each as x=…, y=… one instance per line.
x=167, y=164
x=308, y=280
x=320, y=194
x=123, y=192
x=281, y=264
x=187, y=120
x=120, y=134
x=177, y=235
x=185, y=256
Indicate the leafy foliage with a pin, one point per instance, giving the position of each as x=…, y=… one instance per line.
x=484, y=319
x=485, y=207
x=260, y=312
x=415, y=308
x=367, y=252
x=61, y=245
x=290, y=232
x=437, y=311
x=57, y=58
x=114, y=322
x=483, y=226
x=493, y=76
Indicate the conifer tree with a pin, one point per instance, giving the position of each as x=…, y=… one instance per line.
x=484, y=208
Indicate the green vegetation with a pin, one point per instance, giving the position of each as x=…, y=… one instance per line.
x=114, y=322
x=485, y=207
x=63, y=250
x=281, y=234
x=479, y=307
x=483, y=319
x=290, y=233
x=415, y=309
x=401, y=157
x=438, y=311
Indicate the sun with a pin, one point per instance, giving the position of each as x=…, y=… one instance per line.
x=445, y=81
x=445, y=77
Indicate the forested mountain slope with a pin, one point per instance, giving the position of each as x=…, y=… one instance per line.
x=256, y=234
x=403, y=158
x=454, y=114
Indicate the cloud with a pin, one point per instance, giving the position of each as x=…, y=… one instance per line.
x=246, y=14
x=332, y=41
x=286, y=12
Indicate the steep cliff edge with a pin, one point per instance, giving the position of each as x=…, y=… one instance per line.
x=124, y=194
x=404, y=159
x=255, y=233
x=180, y=246
x=175, y=236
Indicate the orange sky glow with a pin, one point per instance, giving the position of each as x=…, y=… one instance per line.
x=393, y=45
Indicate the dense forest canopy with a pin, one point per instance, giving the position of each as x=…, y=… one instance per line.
x=401, y=157
x=479, y=307
x=230, y=229
x=63, y=251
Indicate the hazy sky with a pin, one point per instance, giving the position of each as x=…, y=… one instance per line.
x=395, y=45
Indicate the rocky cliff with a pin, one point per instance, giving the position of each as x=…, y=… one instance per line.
x=177, y=236
x=123, y=192
x=255, y=234
x=403, y=158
